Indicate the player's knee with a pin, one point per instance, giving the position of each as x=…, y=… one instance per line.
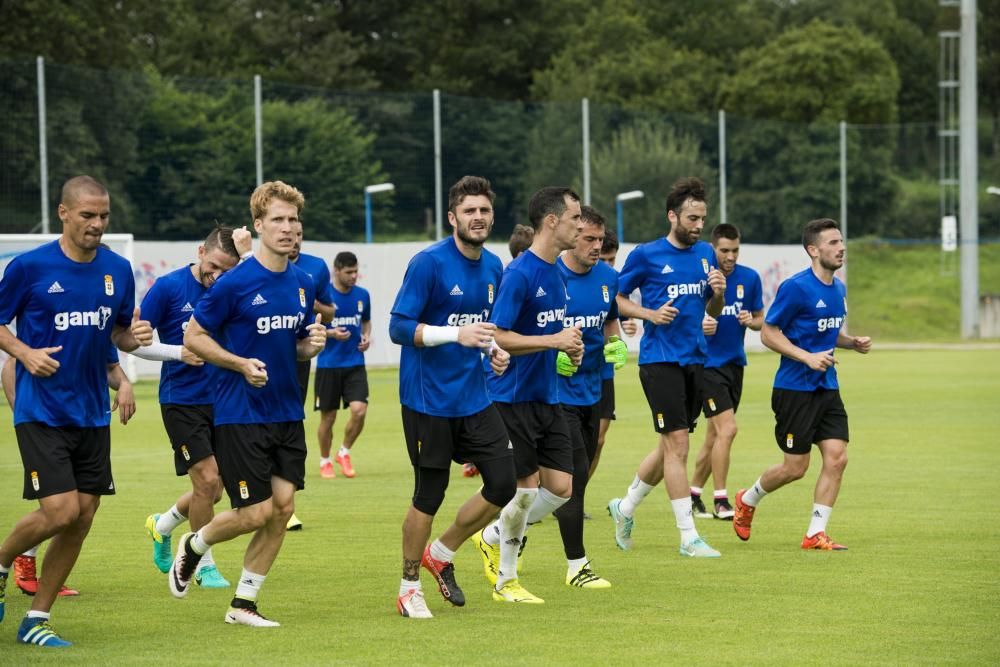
x=796, y=467
x=429, y=490
x=838, y=462
x=728, y=431
x=359, y=410
x=499, y=481
x=255, y=516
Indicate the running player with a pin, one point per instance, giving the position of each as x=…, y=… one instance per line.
x=254, y=324
x=439, y=319
x=804, y=325
x=677, y=278
x=341, y=378
x=744, y=310
x=529, y=312
x=71, y=298
x=187, y=389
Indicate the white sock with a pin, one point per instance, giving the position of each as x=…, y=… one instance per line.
x=513, y=521
x=573, y=565
x=4, y=570
x=696, y=490
x=440, y=552
x=206, y=560
x=405, y=586
x=754, y=494
x=169, y=520
x=249, y=585
x=820, y=515
x=721, y=494
x=637, y=491
x=685, y=519
x=32, y=552
x=344, y=451
x=545, y=503
x=45, y=615
x=198, y=544
x=324, y=459
x=491, y=533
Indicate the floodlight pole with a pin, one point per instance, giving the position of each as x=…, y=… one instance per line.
x=623, y=197
x=968, y=172
x=369, y=191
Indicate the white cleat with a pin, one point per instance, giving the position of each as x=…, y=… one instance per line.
x=249, y=616
x=413, y=605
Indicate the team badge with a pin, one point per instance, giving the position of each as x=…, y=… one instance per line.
x=489, y=292
x=244, y=491
x=659, y=419
x=185, y=453
x=711, y=404
x=34, y=480
x=361, y=306
x=605, y=294
x=109, y=285
x=302, y=297
x=789, y=440
x=739, y=291
x=704, y=264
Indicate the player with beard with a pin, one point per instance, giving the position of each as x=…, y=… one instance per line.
x=804, y=325
x=440, y=320
x=677, y=278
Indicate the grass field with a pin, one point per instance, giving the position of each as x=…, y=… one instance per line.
x=919, y=584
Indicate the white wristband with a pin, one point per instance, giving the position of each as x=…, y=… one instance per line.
x=159, y=352
x=247, y=255
x=434, y=336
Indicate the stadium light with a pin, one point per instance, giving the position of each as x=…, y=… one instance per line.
x=622, y=197
x=369, y=191
x=993, y=190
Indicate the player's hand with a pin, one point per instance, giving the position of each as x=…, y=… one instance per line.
x=564, y=365
x=142, y=331
x=745, y=318
x=39, y=363
x=629, y=326
x=709, y=325
x=499, y=359
x=254, y=372
x=477, y=335
x=339, y=333
x=570, y=341
x=615, y=352
x=124, y=402
x=820, y=361
x=665, y=314
x=862, y=344
x=317, y=332
x=243, y=240
x=717, y=281
x=190, y=358
x=366, y=342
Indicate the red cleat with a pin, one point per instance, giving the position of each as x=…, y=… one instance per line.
x=742, y=517
x=469, y=470
x=345, y=465
x=326, y=470
x=27, y=581
x=821, y=542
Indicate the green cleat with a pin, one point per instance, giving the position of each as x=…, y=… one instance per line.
x=623, y=525
x=161, y=545
x=210, y=577
x=698, y=548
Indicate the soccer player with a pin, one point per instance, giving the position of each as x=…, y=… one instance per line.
x=677, y=278
x=341, y=377
x=804, y=325
x=71, y=298
x=591, y=287
x=255, y=324
x=723, y=379
x=187, y=389
x=440, y=320
x=529, y=312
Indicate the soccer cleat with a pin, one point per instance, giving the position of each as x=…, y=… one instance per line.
x=345, y=465
x=491, y=557
x=444, y=574
x=39, y=632
x=248, y=615
x=210, y=577
x=3, y=594
x=161, y=545
x=512, y=591
x=412, y=604
x=183, y=567
x=469, y=470
x=585, y=578
x=723, y=510
x=623, y=525
x=821, y=542
x=698, y=548
x=742, y=517
x=25, y=577
x=293, y=523
x=698, y=508
x=326, y=470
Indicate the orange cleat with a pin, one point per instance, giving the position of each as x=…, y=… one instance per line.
x=821, y=542
x=742, y=517
x=345, y=465
x=326, y=470
x=469, y=470
x=26, y=579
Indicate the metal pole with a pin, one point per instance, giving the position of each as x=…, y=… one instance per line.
x=968, y=173
x=438, y=185
x=368, y=218
x=843, y=189
x=43, y=149
x=585, y=114
x=621, y=221
x=722, y=166
x=258, y=128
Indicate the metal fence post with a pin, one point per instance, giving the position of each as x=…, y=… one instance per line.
x=722, y=166
x=585, y=121
x=258, y=128
x=843, y=188
x=968, y=172
x=438, y=213
x=43, y=149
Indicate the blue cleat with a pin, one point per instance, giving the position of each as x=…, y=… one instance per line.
x=38, y=631
x=623, y=525
x=698, y=548
x=161, y=545
x=210, y=577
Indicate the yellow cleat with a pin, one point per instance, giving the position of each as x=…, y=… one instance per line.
x=293, y=523
x=585, y=578
x=513, y=591
x=491, y=557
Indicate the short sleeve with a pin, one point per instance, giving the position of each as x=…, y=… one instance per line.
x=154, y=304
x=13, y=291
x=417, y=288
x=631, y=276
x=128, y=300
x=613, y=313
x=785, y=305
x=757, y=295
x=214, y=308
x=366, y=314
x=324, y=288
x=510, y=297
x=310, y=317
x=113, y=354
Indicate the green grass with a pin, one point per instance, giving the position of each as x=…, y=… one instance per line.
x=919, y=584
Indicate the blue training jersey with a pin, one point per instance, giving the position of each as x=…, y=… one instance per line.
x=168, y=306
x=531, y=302
x=353, y=308
x=57, y=301
x=443, y=287
x=661, y=272
x=320, y=274
x=743, y=292
x=256, y=313
x=810, y=313
x=591, y=303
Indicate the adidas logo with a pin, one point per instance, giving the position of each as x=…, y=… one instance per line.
x=187, y=308
x=56, y=288
x=248, y=582
x=258, y=301
x=820, y=304
x=539, y=293
x=817, y=514
x=667, y=269
x=456, y=291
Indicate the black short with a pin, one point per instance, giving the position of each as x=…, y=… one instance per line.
x=302, y=369
x=802, y=418
x=722, y=389
x=249, y=455
x=58, y=459
x=434, y=442
x=540, y=437
x=191, y=431
x=607, y=404
x=674, y=395
x=336, y=387
x=583, y=422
